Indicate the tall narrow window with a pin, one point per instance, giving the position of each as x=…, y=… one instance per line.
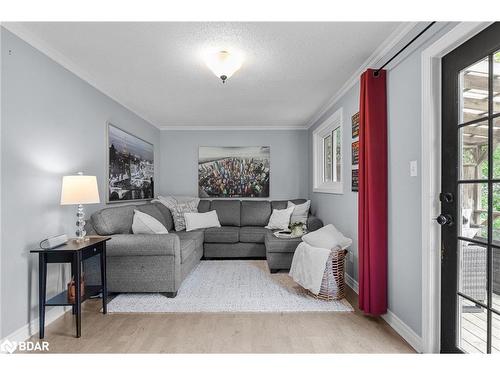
x=327, y=149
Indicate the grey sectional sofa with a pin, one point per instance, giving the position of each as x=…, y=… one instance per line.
x=159, y=263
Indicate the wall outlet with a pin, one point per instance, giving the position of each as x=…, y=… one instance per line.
x=413, y=168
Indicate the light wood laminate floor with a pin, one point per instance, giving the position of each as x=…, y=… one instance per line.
x=338, y=332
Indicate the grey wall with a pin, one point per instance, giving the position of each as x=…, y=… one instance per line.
x=289, y=159
x=53, y=124
x=404, y=192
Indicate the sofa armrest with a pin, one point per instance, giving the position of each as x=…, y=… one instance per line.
x=143, y=245
x=313, y=223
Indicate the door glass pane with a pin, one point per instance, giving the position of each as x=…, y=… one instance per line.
x=496, y=82
x=496, y=214
x=472, y=270
x=474, y=150
x=496, y=148
x=472, y=327
x=495, y=300
x=474, y=87
x=327, y=167
x=495, y=333
x=474, y=211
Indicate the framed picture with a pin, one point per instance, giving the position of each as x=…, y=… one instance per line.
x=130, y=167
x=355, y=180
x=355, y=125
x=355, y=153
x=227, y=172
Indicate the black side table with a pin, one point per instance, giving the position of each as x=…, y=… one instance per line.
x=75, y=253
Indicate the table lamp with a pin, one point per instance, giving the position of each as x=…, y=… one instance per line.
x=80, y=190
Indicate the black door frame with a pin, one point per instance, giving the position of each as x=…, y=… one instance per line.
x=483, y=44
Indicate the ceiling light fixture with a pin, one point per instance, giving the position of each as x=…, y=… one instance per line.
x=223, y=64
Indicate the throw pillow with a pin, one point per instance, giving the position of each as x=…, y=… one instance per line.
x=300, y=212
x=171, y=200
x=146, y=224
x=196, y=220
x=280, y=219
x=327, y=237
x=178, y=212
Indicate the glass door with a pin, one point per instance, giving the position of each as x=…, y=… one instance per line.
x=470, y=198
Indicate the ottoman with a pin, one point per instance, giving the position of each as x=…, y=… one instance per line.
x=279, y=252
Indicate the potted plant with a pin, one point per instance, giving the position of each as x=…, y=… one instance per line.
x=297, y=229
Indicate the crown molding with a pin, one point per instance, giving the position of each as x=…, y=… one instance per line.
x=384, y=48
x=23, y=33
x=232, y=127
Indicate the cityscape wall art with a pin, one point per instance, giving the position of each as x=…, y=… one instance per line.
x=230, y=172
x=130, y=167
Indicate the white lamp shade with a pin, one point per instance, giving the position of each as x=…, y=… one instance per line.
x=223, y=63
x=79, y=190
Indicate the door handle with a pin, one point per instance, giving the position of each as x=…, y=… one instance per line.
x=445, y=219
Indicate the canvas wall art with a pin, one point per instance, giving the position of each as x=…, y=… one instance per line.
x=227, y=172
x=355, y=125
x=130, y=167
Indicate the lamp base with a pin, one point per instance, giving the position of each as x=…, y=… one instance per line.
x=80, y=224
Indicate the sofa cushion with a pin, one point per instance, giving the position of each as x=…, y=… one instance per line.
x=167, y=215
x=228, y=212
x=197, y=236
x=281, y=245
x=114, y=220
x=187, y=248
x=152, y=210
x=204, y=206
x=255, y=213
x=222, y=235
x=253, y=234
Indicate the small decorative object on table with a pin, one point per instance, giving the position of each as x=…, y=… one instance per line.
x=297, y=229
x=333, y=283
x=72, y=290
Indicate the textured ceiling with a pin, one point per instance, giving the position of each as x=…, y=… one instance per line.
x=156, y=69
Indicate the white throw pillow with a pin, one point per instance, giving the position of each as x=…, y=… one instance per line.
x=196, y=220
x=280, y=219
x=147, y=224
x=300, y=212
x=327, y=237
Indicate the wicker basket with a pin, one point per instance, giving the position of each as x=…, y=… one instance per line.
x=333, y=283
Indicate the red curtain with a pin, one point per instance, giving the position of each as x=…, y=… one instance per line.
x=372, y=196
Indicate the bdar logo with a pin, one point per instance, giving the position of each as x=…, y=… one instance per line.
x=8, y=346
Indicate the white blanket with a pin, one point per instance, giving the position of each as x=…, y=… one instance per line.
x=308, y=266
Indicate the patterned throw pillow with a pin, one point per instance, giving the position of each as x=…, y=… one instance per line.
x=178, y=212
x=178, y=206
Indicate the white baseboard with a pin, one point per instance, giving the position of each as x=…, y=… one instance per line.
x=403, y=330
x=31, y=328
x=353, y=284
x=397, y=324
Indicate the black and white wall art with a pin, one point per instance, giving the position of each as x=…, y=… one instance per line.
x=227, y=172
x=130, y=167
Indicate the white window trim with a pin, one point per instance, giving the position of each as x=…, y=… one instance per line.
x=327, y=127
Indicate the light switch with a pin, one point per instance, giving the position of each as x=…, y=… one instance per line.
x=413, y=168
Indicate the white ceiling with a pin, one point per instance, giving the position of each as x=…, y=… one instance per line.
x=291, y=70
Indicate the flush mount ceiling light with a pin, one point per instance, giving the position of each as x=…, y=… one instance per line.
x=223, y=63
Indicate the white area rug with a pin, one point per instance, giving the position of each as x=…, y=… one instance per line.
x=229, y=286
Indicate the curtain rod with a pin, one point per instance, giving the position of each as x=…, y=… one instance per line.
x=376, y=72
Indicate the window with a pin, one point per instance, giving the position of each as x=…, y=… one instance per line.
x=327, y=157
